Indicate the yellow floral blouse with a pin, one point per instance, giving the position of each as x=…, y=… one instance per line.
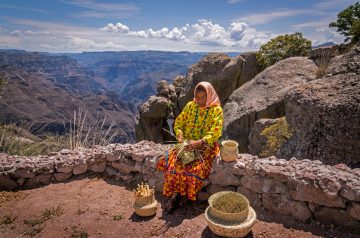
x=197, y=123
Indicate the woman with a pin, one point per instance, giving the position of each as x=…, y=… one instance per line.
x=200, y=122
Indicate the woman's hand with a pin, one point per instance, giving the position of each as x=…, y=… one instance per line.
x=180, y=137
x=193, y=144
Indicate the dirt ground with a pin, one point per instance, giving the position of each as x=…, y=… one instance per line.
x=96, y=207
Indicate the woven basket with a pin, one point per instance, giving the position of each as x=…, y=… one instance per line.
x=225, y=229
x=229, y=150
x=147, y=210
x=229, y=206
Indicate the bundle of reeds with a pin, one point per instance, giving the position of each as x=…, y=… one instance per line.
x=143, y=190
x=185, y=155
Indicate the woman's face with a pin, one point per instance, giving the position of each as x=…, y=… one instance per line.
x=200, y=97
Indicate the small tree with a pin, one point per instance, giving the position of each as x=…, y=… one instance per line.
x=348, y=23
x=282, y=47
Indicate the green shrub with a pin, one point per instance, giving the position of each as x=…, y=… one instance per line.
x=2, y=82
x=276, y=135
x=282, y=47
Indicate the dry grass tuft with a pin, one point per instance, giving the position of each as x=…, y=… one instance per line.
x=11, y=196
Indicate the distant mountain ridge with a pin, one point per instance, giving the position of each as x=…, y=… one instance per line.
x=326, y=44
x=134, y=74
x=44, y=91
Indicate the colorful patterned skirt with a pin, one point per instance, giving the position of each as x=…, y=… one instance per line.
x=186, y=179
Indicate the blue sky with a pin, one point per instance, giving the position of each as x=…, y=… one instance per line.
x=197, y=25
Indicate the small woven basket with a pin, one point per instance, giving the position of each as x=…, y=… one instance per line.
x=146, y=206
x=229, y=206
x=147, y=210
x=225, y=229
x=229, y=150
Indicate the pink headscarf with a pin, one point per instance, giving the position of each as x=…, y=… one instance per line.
x=212, y=99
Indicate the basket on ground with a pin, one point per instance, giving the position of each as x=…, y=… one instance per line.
x=146, y=210
x=229, y=150
x=146, y=205
x=226, y=229
x=228, y=206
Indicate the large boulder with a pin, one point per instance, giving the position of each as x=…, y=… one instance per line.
x=152, y=121
x=346, y=63
x=152, y=118
x=224, y=73
x=325, y=114
x=263, y=97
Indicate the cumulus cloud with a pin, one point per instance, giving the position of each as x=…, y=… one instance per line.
x=204, y=32
x=118, y=27
x=237, y=30
x=207, y=32
x=176, y=33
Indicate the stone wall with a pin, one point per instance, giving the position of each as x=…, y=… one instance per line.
x=302, y=189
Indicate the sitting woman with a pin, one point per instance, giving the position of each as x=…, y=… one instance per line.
x=200, y=124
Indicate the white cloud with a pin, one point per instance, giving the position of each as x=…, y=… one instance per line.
x=8, y=42
x=266, y=17
x=104, y=10
x=319, y=31
x=203, y=35
x=16, y=33
x=8, y=6
x=89, y=45
x=237, y=30
x=118, y=27
x=210, y=34
x=310, y=24
x=234, y=1
x=20, y=33
x=325, y=5
x=174, y=34
x=94, y=5
x=238, y=35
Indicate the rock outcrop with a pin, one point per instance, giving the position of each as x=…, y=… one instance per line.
x=326, y=114
x=346, y=63
x=263, y=97
x=322, y=55
x=303, y=189
x=224, y=73
x=152, y=121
